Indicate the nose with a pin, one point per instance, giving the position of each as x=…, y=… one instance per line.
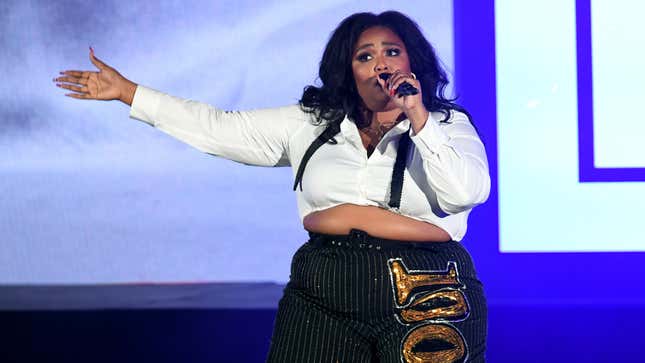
x=380, y=65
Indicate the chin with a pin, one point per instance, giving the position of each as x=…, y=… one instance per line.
x=381, y=103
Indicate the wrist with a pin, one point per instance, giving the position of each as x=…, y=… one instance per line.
x=127, y=92
x=418, y=117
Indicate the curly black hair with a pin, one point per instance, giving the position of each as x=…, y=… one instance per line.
x=338, y=96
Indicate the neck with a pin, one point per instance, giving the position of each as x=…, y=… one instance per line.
x=381, y=117
x=387, y=118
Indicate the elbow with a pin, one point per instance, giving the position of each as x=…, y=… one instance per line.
x=466, y=197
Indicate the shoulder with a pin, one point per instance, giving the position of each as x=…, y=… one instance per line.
x=293, y=113
x=289, y=116
x=455, y=122
x=450, y=116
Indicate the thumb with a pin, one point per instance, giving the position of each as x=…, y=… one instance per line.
x=100, y=65
x=381, y=83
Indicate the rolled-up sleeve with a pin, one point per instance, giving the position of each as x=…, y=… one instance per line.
x=454, y=162
x=255, y=137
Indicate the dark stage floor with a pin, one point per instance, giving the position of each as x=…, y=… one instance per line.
x=233, y=323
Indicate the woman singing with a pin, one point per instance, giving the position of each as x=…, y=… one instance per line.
x=386, y=171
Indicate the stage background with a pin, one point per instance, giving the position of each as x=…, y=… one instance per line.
x=89, y=196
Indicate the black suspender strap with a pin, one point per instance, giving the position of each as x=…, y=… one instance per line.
x=399, y=168
x=399, y=165
x=327, y=135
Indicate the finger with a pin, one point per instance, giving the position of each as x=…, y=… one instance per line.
x=384, y=88
x=75, y=80
x=72, y=73
x=403, y=79
x=396, y=78
x=393, y=78
x=381, y=83
x=396, y=83
x=78, y=95
x=82, y=78
x=72, y=87
x=97, y=62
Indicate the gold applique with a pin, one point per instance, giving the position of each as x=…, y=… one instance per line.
x=436, y=298
x=446, y=304
x=406, y=282
x=433, y=343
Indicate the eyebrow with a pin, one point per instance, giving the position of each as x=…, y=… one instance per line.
x=372, y=44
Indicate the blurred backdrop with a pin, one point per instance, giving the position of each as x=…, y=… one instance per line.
x=91, y=197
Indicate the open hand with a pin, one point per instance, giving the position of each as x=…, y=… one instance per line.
x=106, y=84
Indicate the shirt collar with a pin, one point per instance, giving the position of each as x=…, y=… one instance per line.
x=349, y=130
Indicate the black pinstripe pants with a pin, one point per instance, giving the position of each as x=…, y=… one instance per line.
x=357, y=298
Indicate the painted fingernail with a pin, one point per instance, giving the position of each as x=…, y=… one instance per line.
x=91, y=50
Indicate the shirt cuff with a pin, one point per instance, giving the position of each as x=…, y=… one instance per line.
x=145, y=104
x=431, y=135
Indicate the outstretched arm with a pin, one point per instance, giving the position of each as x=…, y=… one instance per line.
x=106, y=84
x=256, y=137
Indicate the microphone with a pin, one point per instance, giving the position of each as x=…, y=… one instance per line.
x=404, y=89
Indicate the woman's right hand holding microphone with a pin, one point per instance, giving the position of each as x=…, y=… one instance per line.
x=106, y=84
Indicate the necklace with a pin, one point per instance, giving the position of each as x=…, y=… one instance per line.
x=375, y=133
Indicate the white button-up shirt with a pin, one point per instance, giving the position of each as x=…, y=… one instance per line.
x=446, y=174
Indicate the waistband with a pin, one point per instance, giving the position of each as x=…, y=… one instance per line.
x=362, y=240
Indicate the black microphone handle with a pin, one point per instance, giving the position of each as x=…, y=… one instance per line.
x=404, y=89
